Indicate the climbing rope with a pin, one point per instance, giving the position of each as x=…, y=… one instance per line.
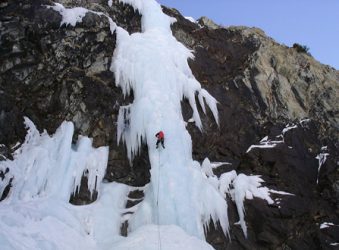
x=159, y=236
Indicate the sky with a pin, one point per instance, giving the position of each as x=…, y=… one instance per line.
x=314, y=23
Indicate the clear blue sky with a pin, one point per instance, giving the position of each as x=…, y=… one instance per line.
x=314, y=23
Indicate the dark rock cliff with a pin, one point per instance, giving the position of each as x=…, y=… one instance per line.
x=51, y=73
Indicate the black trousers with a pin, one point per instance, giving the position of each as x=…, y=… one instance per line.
x=160, y=141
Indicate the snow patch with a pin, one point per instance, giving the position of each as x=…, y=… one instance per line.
x=219, y=164
x=267, y=143
x=326, y=225
x=289, y=127
x=70, y=16
x=279, y=192
x=322, y=157
x=191, y=19
x=54, y=224
x=304, y=122
x=260, y=146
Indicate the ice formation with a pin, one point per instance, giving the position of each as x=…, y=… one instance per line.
x=322, y=157
x=44, y=173
x=154, y=65
x=268, y=143
x=50, y=166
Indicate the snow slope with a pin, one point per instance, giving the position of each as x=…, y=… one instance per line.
x=147, y=238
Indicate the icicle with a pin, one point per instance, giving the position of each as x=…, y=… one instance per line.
x=247, y=187
x=211, y=102
x=226, y=180
x=322, y=157
x=207, y=167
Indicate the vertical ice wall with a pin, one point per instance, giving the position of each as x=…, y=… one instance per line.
x=154, y=65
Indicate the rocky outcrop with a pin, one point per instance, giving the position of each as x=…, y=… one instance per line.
x=284, y=84
x=206, y=22
x=51, y=73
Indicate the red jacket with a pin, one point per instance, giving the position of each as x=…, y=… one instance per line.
x=160, y=135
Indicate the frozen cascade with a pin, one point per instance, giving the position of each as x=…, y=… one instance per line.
x=182, y=192
x=154, y=65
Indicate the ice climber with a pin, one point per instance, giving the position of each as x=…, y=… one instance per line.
x=161, y=138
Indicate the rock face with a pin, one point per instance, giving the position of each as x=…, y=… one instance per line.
x=262, y=87
x=51, y=73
